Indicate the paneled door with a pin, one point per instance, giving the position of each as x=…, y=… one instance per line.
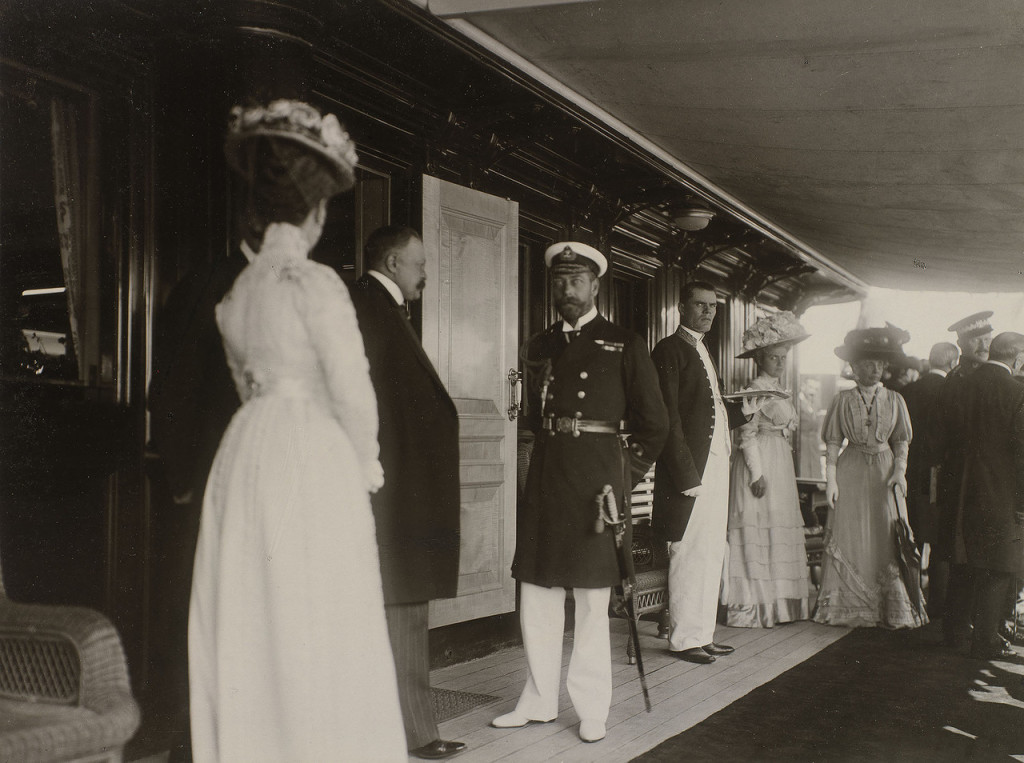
x=470, y=333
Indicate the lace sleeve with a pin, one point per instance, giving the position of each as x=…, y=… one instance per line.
x=902, y=432
x=333, y=329
x=832, y=432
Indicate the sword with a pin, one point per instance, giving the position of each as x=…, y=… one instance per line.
x=608, y=514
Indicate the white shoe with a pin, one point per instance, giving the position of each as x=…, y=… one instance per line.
x=592, y=731
x=515, y=720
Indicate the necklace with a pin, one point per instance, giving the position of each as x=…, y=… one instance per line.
x=869, y=406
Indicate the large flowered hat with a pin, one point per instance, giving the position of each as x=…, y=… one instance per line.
x=780, y=329
x=874, y=344
x=294, y=121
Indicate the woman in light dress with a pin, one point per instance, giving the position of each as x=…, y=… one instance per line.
x=767, y=580
x=289, y=656
x=861, y=581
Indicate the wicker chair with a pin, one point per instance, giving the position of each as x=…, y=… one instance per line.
x=64, y=691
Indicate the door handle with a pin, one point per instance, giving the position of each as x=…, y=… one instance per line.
x=515, y=384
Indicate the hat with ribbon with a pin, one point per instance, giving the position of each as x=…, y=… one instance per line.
x=973, y=325
x=874, y=344
x=294, y=121
x=568, y=257
x=780, y=329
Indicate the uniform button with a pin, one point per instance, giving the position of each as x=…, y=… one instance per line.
x=579, y=414
x=581, y=394
x=551, y=396
x=584, y=374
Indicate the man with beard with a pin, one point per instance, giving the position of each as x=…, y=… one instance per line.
x=974, y=334
x=417, y=509
x=590, y=382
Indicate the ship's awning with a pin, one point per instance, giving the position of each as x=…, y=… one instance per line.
x=888, y=138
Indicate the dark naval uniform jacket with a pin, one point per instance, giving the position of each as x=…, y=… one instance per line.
x=603, y=375
x=417, y=510
x=994, y=469
x=690, y=400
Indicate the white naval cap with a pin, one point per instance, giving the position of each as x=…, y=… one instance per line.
x=570, y=256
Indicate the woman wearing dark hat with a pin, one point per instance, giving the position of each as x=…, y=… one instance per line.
x=766, y=578
x=861, y=582
x=289, y=655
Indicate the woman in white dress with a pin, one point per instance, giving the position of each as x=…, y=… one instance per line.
x=767, y=580
x=861, y=584
x=289, y=656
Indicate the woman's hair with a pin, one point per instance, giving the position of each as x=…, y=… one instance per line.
x=286, y=182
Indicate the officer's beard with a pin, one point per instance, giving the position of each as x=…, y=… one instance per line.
x=572, y=310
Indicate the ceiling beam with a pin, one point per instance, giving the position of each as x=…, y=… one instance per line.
x=682, y=173
x=447, y=9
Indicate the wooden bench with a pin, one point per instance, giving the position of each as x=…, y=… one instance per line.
x=650, y=560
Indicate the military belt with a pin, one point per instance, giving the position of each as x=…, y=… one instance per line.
x=575, y=427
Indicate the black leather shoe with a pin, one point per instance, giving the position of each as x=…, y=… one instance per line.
x=718, y=649
x=438, y=749
x=696, y=655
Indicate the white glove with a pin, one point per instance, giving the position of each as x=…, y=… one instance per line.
x=898, y=476
x=693, y=492
x=831, y=485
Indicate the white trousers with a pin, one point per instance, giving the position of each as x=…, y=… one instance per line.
x=696, y=562
x=542, y=616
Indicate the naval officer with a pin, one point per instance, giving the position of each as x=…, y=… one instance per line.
x=591, y=382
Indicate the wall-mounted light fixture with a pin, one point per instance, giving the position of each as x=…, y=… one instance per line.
x=692, y=218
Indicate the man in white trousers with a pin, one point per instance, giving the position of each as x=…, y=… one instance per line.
x=589, y=382
x=691, y=483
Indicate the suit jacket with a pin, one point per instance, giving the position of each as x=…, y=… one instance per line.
x=994, y=469
x=605, y=374
x=948, y=432
x=691, y=417
x=417, y=509
x=922, y=399
x=192, y=396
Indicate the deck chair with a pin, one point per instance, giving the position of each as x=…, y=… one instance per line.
x=64, y=691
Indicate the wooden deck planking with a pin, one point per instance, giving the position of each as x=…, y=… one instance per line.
x=682, y=694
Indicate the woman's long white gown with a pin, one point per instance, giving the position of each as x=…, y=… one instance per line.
x=289, y=655
x=766, y=580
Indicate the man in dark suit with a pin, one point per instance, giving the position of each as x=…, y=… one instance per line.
x=993, y=488
x=974, y=334
x=922, y=398
x=590, y=376
x=417, y=509
x=192, y=396
x=691, y=482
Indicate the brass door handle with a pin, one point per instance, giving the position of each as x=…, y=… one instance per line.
x=515, y=381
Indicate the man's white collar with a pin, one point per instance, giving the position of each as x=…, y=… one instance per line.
x=1001, y=365
x=586, y=318
x=390, y=285
x=695, y=334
